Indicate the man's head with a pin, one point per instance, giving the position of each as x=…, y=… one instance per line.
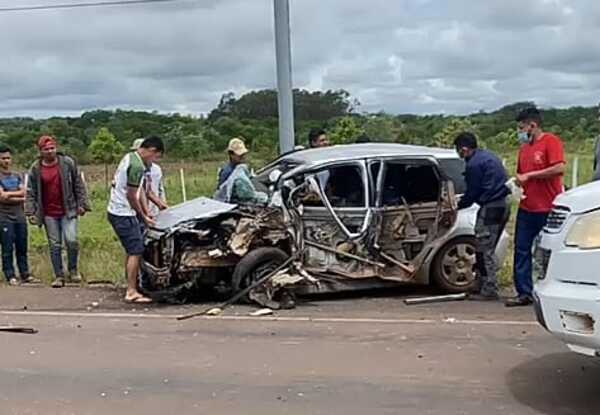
x=237, y=150
x=317, y=138
x=5, y=157
x=465, y=144
x=47, y=146
x=529, y=124
x=151, y=149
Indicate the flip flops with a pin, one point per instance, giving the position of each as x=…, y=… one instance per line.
x=138, y=299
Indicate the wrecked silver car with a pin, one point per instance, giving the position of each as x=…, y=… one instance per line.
x=352, y=217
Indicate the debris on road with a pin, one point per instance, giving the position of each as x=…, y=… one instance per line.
x=261, y=312
x=22, y=330
x=240, y=294
x=435, y=299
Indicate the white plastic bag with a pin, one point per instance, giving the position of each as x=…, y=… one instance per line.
x=515, y=190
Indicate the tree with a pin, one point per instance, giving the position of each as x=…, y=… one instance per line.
x=453, y=128
x=345, y=131
x=106, y=149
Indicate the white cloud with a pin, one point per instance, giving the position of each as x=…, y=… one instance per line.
x=404, y=56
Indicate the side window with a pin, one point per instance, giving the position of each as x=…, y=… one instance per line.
x=343, y=186
x=409, y=183
x=455, y=170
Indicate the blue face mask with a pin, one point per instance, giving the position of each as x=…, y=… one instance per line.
x=523, y=137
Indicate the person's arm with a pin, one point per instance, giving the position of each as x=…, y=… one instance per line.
x=556, y=159
x=16, y=197
x=156, y=200
x=137, y=205
x=80, y=190
x=31, y=195
x=135, y=186
x=474, y=188
x=547, y=173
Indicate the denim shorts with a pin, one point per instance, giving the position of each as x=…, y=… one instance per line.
x=129, y=231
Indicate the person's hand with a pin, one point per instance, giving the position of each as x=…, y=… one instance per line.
x=80, y=211
x=163, y=206
x=522, y=178
x=33, y=220
x=149, y=220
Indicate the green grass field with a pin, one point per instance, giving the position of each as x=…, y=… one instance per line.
x=102, y=257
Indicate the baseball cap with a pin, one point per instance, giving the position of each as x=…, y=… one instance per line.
x=136, y=143
x=237, y=146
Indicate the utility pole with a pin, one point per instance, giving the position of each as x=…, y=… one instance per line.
x=283, y=54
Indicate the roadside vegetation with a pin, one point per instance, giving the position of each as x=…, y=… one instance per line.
x=197, y=144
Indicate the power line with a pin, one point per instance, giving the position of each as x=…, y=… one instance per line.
x=78, y=5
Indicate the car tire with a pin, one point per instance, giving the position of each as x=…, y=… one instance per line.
x=453, y=268
x=256, y=264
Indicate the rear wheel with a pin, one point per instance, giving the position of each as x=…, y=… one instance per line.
x=453, y=268
x=255, y=265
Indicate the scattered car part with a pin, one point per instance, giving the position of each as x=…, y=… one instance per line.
x=240, y=293
x=436, y=299
x=15, y=329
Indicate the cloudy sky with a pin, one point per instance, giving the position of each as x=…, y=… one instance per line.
x=417, y=56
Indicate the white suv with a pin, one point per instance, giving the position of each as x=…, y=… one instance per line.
x=567, y=293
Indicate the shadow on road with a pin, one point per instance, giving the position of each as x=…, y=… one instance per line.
x=558, y=384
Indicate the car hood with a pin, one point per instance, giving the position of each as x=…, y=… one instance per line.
x=196, y=209
x=581, y=198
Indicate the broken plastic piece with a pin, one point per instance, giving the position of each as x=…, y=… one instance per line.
x=262, y=312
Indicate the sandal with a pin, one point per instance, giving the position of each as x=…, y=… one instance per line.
x=138, y=299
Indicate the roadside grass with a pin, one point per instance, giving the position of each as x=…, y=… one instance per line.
x=102, y=257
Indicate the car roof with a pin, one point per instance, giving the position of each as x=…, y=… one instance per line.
x=317, y=156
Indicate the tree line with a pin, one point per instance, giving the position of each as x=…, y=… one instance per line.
x=101, y=136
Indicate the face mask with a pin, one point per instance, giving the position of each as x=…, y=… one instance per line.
x=523, y=137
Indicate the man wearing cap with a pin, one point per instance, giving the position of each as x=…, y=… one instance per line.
x=235, y=184
x=237, y=152
x=56, y=196
x=153, y=186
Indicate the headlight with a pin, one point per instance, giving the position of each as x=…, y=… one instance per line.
x=585, y=232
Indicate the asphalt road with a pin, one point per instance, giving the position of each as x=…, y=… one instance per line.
x=338, y=356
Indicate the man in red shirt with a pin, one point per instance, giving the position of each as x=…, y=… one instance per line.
x=540, y=170
x=56, y=197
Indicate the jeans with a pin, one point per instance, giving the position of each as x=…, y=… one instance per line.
x=528, y=227
x=14, y=238
x=491, y=221
x=58, y=229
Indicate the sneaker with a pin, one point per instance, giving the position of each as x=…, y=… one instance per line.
x=74, y=277
x=30, y=279
x=13, y=281
x=59, y=282
x=519, y=301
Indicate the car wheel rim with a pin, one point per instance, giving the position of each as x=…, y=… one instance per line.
x=458, y=265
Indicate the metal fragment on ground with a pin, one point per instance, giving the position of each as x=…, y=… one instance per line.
x=435, y=299
x=23, y=330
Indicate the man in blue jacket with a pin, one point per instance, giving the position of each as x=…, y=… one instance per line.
x=486, y=186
